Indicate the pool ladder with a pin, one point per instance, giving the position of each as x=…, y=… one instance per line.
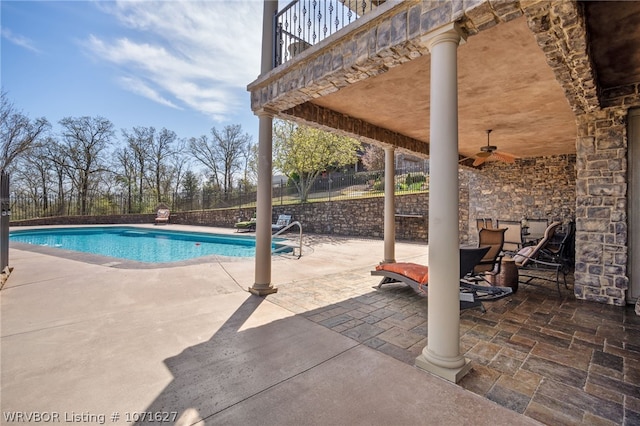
x=299, y=225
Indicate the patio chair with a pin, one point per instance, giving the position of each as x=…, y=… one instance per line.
x=513, y=236
x=534, y=231
x=246, y=225
x=417, y=277
x=534, y=264
x=485, y=222
x=283, y=221
x=560, y=250
x=490, y=263
x=162, y=216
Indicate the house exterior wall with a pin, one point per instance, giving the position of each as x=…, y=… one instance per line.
x=601, y=153
x=602, y=199
x=538, y=188
x=601, y=208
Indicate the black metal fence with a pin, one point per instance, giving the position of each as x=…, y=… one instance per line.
x=5, y=215
x=332, y=186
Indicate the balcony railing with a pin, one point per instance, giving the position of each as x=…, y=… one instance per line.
x=303, y=23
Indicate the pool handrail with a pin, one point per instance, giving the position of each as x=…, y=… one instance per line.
x=285, y=247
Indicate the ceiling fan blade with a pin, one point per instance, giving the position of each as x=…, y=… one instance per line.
x=478, y=161
x=507, y=158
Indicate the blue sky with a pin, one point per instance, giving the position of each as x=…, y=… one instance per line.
x=181, y=65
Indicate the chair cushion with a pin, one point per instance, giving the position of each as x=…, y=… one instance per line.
x=416, y=272
x=523, y=254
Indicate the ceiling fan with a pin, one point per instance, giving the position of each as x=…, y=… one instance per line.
x=491, y=151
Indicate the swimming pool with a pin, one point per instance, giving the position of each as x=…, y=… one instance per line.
x=139, y=244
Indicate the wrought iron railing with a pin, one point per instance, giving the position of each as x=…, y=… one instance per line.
x=303, y=23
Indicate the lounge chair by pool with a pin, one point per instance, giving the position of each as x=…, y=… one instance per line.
x=283, y=221
x=250, y=225
x=247, y=225
x=162, y=216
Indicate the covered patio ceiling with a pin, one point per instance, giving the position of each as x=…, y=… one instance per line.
x=505, y=84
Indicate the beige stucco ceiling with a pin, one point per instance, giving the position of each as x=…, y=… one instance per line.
x=504, y=83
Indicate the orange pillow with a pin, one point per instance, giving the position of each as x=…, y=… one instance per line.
x=416, y=272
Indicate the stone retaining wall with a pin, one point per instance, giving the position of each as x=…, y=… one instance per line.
x=359, y=217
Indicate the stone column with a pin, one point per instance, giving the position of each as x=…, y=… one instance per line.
x=442, y=355
x=264, y=209
x=389, y=206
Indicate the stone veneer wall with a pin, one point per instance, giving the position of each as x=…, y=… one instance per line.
x=538, y=188
x=601, y=207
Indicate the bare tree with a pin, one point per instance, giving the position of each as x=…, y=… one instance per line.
x=139, y=142
x=179, y=167
x=161, y=150
x=250, y=166
x=59, y=164
x=17, y=132
x=36, y=175
x=205, y=153
x=231, y=146
x=85, y=140
x=127, y=173
x=222, y=155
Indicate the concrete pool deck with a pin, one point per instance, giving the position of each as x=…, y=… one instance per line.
x=93, y=343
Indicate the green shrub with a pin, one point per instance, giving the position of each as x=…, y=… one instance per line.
x=408, y=180
x=419, y=178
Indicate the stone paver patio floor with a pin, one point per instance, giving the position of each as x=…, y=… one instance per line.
x=559, y=361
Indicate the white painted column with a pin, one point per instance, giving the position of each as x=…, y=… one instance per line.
x=264, y=209
x=442, y=355
x=389, y=206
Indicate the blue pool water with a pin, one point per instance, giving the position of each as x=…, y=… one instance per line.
x=139, y=244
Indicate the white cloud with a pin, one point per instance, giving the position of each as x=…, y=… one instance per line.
x=19, y=40
x=193, y=53
x=139, y=87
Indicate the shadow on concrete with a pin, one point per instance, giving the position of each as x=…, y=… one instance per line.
x=241, y=360
x=292, y=371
